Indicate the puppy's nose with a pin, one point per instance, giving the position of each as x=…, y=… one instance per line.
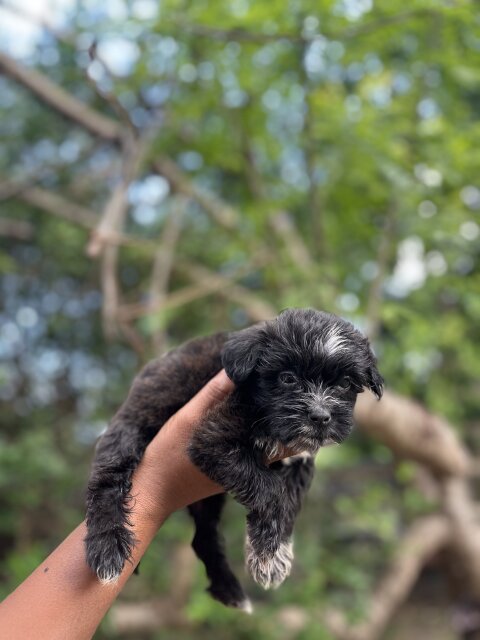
x=320, y=416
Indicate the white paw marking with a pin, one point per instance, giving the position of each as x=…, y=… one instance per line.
x=302, y=455
x=108, y=578
x=305, y=455
x=246, y=605
x=269, y=571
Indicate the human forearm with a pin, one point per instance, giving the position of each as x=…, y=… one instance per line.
x=62, y=599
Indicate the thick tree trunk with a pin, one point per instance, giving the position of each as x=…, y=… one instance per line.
x=412, y=432
x=425, y=538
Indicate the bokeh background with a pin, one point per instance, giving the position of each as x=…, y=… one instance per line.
x=173, y=168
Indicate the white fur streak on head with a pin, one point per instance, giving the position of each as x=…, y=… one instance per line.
x=334, y=341
x=108, y=578
x=269, y=571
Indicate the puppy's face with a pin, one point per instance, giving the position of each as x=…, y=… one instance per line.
x=302, y=372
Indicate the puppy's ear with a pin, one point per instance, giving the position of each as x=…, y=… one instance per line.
x=374, y=380
x=241, y=353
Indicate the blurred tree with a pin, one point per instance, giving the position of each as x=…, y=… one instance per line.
x=172, y=169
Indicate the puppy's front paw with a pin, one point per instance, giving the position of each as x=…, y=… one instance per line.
x=107, y=553
x=269, y=570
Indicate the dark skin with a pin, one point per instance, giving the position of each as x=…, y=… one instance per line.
x=62, y=598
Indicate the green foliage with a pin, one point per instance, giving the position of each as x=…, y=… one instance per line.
x=361, y=120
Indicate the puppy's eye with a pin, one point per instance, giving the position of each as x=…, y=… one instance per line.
x=344, y=383
x=287, y=378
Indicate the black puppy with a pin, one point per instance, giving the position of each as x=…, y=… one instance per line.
x=297, y=378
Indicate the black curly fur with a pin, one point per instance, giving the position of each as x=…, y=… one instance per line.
x=297, y=378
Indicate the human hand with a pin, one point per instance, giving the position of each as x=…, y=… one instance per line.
x=166, y=480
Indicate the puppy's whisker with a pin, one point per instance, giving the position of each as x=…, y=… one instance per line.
x=259, y=421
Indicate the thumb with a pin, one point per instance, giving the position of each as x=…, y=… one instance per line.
x=213, y=392
x=216, y=390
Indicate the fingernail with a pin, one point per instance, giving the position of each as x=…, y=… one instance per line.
x=223, y=381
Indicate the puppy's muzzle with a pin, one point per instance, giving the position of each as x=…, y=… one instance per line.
x=319, y=416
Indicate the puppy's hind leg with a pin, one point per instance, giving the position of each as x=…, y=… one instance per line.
x=109, y=540
x=208, y=545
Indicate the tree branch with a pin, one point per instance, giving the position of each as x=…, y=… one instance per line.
x=113, y=217
x=112, y=223
x=375, y=293
x=79, y=215
x=461, y=510
x=109, y=96
x=174, y=299
x=36, y=20
x=281, y=222
x=163, y=265
x=284, y=227
x=310, y=145
x=219, y=210
x=240, y=34
x=59, y=206
x=206, y=281
x=60, y=100
x=412, y=432
x=256, y=308
x=423, y=540
x=18, y=229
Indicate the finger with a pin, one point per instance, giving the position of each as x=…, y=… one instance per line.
x=173, y=438
x=214, y=391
